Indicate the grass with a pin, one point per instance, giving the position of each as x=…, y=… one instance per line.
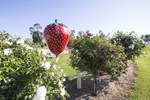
x=64, y=63
x=141, y=89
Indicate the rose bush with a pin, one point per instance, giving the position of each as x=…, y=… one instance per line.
x=132, y=44
x=26, y=74
x=98, y=56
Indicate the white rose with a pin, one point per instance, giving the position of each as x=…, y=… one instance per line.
x=63, y=91
x=9, y=43
x=27, y=46
x=7, y=51
x=20, y=41
x=44, y=59
x=42, y=63
x=46, y=65
x=62, y=70
x=64, y=80
x=53, y=74
x=40, y=94
x=55, y=66
x=60, y=83
x=64, y=75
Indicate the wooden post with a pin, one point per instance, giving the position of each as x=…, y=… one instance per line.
x=79, y=83
x=78, y=76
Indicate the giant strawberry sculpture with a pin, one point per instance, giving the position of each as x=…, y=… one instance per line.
x=56, y=36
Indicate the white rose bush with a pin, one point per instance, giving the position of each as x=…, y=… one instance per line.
x=26, y=74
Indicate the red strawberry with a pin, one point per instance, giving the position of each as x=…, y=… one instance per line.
x=56, y=36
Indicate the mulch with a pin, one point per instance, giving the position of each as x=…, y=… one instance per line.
x=107, y=90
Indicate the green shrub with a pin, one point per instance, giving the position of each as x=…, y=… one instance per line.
x=25, y=72
x=98, y=56
x=131, y=43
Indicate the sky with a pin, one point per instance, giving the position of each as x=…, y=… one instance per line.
x=17, y=16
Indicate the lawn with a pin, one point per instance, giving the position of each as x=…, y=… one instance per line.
x=64, y=63
x=141, y=89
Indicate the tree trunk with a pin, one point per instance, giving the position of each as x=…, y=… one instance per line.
x=95, y=86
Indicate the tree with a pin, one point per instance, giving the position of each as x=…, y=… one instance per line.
x=36, y=34
x=97, y=56
x=81, y=33
x=147, y=38
x=132, y=44
x=101, y=34
x=71, y=40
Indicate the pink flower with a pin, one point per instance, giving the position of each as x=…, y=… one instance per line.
x=89, y=34
x=120, y=43
x=101, y=73
x=100, y=60
x=103, y=49
x=117, y=71
x=77, y=37
x=107, y=52
x=114, y=51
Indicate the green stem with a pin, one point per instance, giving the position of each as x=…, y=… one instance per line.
x=56, y=21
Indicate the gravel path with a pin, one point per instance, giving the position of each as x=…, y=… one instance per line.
x=107, y=90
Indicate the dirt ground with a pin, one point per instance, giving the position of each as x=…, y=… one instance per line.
x=107, y=90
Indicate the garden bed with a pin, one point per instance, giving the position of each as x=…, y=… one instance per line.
x=107, y=90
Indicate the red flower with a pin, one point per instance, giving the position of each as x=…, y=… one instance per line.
x=100, y=60
x=117, y=71
x=101, y=73
x=125, y=72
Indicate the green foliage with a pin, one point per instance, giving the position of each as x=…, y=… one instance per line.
x=29, y=42
x=94, y=54
x=132, y=45
x=23, y=70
